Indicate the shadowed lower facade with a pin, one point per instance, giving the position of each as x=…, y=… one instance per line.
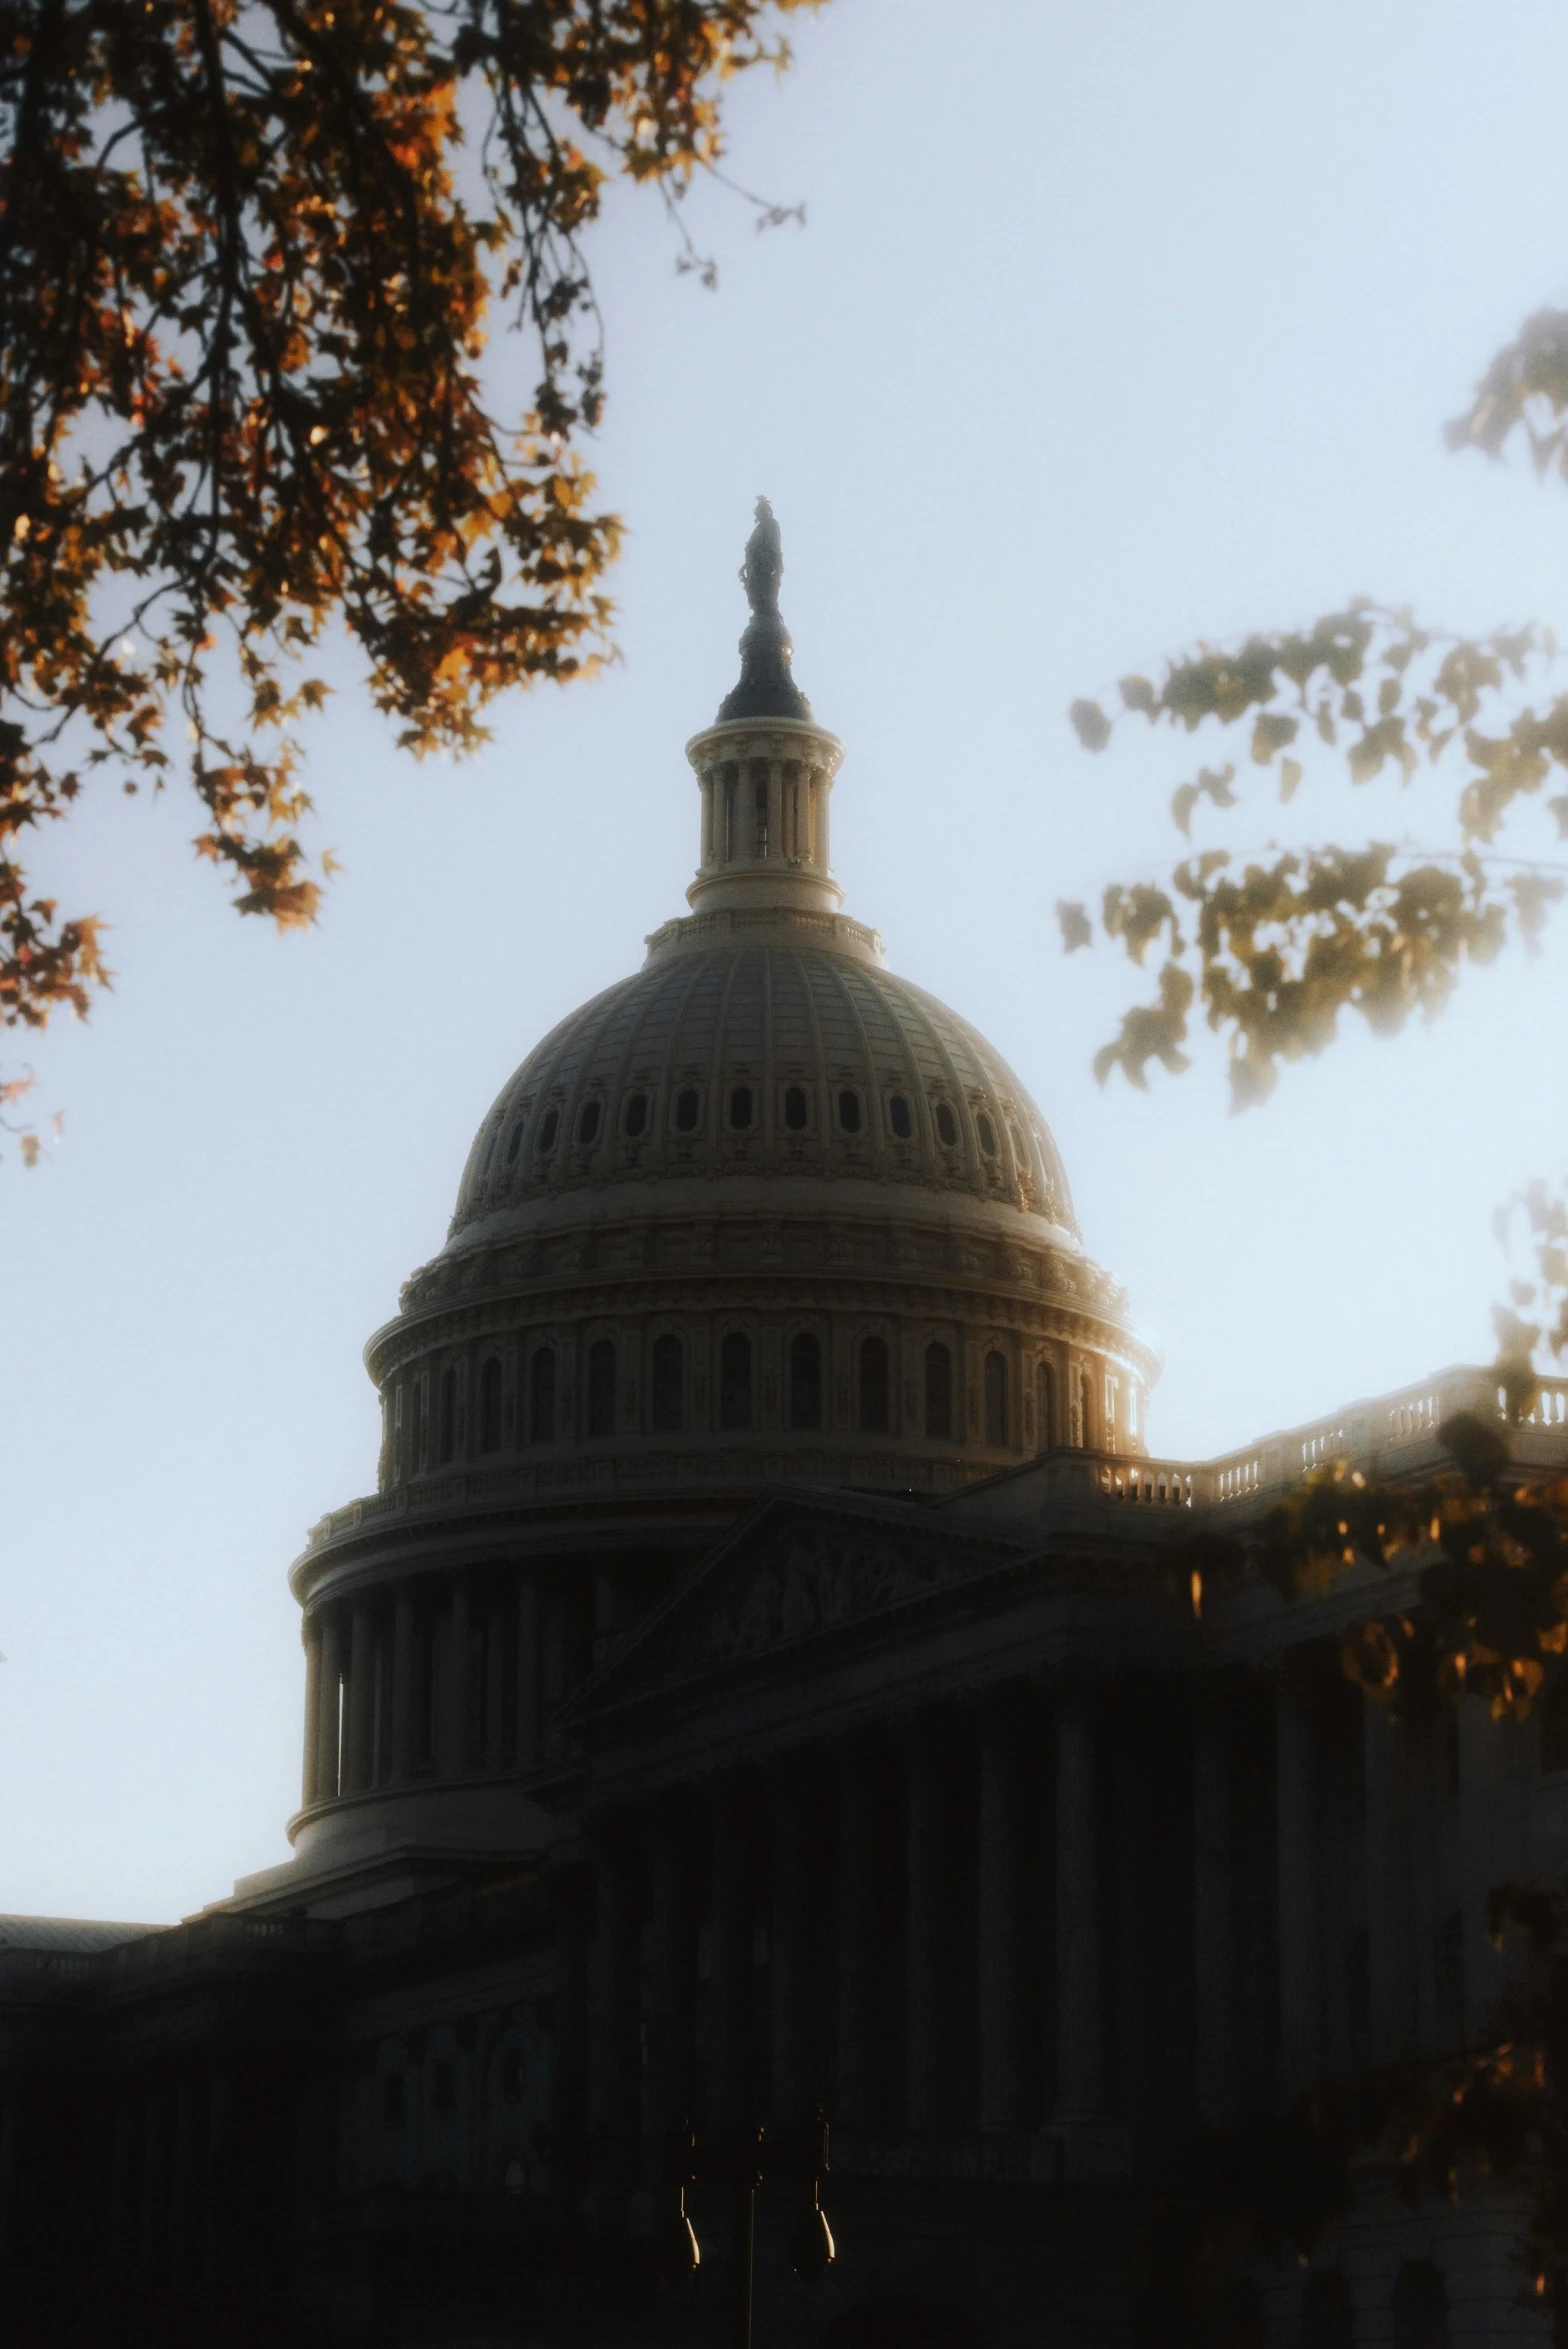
x=759, y=1686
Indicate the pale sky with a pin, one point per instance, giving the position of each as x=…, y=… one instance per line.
x=1112, y=325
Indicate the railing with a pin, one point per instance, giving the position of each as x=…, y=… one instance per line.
x=1153, y=1484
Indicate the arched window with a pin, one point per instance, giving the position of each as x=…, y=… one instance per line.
x=795, y=1108
x=548, y=1132
x=541, y=1396
x=735, y=1380
x=1419, y=2307
x=946, y=1126
x=601, y=1388
x=490, y=1406
x=588, y=1123
x=446, y=1420
x=740, y=1107
x=899, y=1117
x=688, y=1107
x=668, y=1385
x=1328, y=2316
x=939, y=1391
x=873, y=1386
x=987, y=1133
x=514, y=1143
x=1044, y=1407
x=636, y=1115
x=995, y=1399
x=849, y=1111
x=805, y=1381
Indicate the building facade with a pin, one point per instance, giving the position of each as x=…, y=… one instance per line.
x=758, y=1689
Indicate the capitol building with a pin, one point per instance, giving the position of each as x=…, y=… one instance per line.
x=757, y=1695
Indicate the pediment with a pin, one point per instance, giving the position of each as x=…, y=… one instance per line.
x=793, y=1573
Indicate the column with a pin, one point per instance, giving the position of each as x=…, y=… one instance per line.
x=793, y=2057
x=1079, y=2023
x=1296, y=1866
x=527, y=1749
x=310, y=1640
x=1002, y=2066
x=328, y=1722
x=453, y=1729
x=671, y=2018
x=403, y=1687
x=775, y=808
x=612, y=2047
x=819, y=818
x=361, y=1698
x=925, y=2063
x=569, y=2077
x=495, y=1682
x=857, y=2000
x=1213, y=1925
x=706, y=781
x=731, y=1964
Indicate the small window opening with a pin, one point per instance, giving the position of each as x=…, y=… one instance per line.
x=899, y=1117
x=636, y=1114
x=447, y=1422
x=805, y=1381
x=668, y=1385
x=740, y=1107
x=490, y=1406
x=514, y=1143
x=939, y=1391
x=946, y=1126
x=995, y=1400
x=987, y=1133
x=849, y=1111
x=601, y=1388
x=588, y=1122
x=795, y=1108
x=548, y=1132
x=686, y=1110
x=735, y=1381
x=873, y=1386
x=541, y=1396
x=761, y=788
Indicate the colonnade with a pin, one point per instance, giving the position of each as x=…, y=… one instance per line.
x=765, y=809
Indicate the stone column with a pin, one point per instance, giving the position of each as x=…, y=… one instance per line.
x=927, y=1934
x=613, y=2021
x=1300, y=2017
x=706, y=780
x=527, y=1749
x=793, y=2057
x=1002, y=2066
x=453, y=1729
x=732, y=1927
x=819, y=818
x=310, y=1640
x=858, y=1998
x=1079, y=2019
x=775, y=808
x=672, y=2016
x=328, y=1725
x=1213, y=1916
x=361, y=1698
x=403, y=1687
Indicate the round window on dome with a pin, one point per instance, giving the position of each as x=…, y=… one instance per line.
x=548, y=1132
x=946, y=1125
x=900, y=1117
x=688, y=1108
x=514, y=1143
x=849, y=1111
x=987, y=1133
x=740, y=1107
x=588, y=1122
x=636, y=1115
x=796, y=1110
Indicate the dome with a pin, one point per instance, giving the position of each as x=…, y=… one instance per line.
x=789, y=1058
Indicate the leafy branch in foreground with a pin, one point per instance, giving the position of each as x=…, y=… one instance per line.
x=1274, y=949
x=249, y=260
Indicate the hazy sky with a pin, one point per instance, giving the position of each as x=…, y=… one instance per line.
x=1112, y=325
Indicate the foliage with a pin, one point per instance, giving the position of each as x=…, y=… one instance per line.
x=250, y=255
